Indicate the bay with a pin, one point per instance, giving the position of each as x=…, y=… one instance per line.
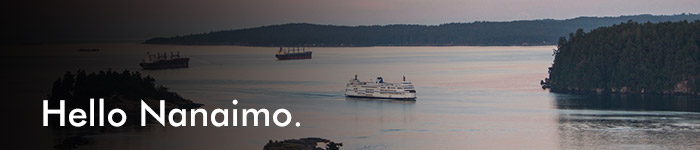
x=468, y=97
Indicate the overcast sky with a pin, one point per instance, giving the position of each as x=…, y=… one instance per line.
x=143, y=19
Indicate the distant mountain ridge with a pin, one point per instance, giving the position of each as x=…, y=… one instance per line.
x=479, y=33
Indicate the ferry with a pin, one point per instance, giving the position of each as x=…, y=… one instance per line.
x=293, y=53
x=379, y=89
x=159, y=61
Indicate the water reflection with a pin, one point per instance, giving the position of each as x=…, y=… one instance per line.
x=629, y=102
x=628, y=121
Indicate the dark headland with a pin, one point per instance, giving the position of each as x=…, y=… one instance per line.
x=123, y=90
x=631, y=57
x=480, y=33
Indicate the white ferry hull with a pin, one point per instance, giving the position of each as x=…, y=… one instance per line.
x=402, y=90
x=405, y=97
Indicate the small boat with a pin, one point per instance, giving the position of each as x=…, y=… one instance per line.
x=380, y=89
x=158, y=61
x=293, y=53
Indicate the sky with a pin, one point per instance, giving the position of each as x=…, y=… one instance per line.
x=138, y=20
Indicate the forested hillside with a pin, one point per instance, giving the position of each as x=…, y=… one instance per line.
x=661, y=58
x=528, y=32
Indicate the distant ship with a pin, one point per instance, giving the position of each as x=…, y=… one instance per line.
x=162, y=62
x=293, y=53
x=380, y=89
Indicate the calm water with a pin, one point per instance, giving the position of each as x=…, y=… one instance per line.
x=468, y=97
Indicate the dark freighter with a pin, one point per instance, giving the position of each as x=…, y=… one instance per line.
x=293, y=53
x=158, y=61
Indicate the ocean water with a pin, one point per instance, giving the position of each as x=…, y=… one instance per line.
x=468, y=97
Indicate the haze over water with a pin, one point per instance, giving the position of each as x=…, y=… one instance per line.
x=468, y=97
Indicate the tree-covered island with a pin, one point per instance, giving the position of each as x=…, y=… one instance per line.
x=636, y=58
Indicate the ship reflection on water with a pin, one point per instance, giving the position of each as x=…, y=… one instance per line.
x=379, y=100
x=628, y=121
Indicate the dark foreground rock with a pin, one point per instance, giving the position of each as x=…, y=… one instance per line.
x=310, y=143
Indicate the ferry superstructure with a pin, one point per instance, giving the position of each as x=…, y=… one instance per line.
x=380, y=89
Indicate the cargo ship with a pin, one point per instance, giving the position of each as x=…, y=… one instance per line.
x=158, y=61
x=293, y=53
x=379, y=89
